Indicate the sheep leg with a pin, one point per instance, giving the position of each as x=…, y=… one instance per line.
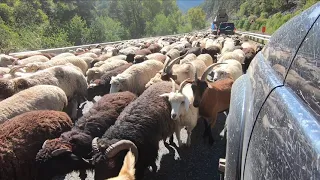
x=178, y=129
x=206, y=128
x=83, y=174
x=189, y=137
x=171, y=140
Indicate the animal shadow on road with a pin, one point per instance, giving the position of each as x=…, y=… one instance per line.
x=197, y=162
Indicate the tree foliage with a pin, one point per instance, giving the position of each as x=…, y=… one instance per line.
x=254, y=14
x=37, y=24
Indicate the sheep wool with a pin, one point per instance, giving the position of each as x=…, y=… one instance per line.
x=41, y=97
x=21, y=138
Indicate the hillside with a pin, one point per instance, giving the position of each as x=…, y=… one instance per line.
x=251, y=15
x=185, y=5
x=39, y=24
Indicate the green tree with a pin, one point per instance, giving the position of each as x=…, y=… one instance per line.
x=77, y=31
x=196, y=18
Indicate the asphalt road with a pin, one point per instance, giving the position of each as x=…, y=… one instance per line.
x=197, y=162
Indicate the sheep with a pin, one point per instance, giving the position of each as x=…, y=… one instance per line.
x=101, y=86
x=31, y=59
x=249, y=55
x=22, y=136
x=88, y=60
x=118, y=57
x=4, y=70
x=183, y=110
x=62, y=55
x=165, y=49
x=247, y=45
x=127, y=171
x=154, y=48
x=140, y=126
x=96, y=72
x=88, y=54
x=173, y=54
x=206, y=58
x=77, y=141
x=6, y=60
x=27, y=55
x=211, y=98
x=135, y=77
x=194, y=50
x=40, y=97
x=188, y=58
x=228, y=46
x=244, y=37
x=237, y=54
x=76, y=61
x=157, y=56
x=70, y=80
x=232, y=68
x=97, y=51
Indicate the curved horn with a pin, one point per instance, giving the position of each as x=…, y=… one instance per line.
x=113, y=149
x=171, y=63
x=166, y=64
x=185, y=82
x=44, y=144
x=173, y=85
x=209, y=68
x=14, y=69
x=94, y=145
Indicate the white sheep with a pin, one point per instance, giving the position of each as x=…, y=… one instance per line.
x=62, y=55
x=89, y=54
x=6, y=60
x=206, y=58
x=245, y=45
x=188, y=58
x=228, y=46
x=32, y=59
x=183, y=110
x=237, y=54
x=41, y=97
x=233, y=67
x=4, y=70
x=75, y=60
x=96, y=72
x=166, y=49
x=135, y=77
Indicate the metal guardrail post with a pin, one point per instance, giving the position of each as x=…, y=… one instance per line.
x=256, y=37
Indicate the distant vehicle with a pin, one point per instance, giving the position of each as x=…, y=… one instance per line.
x=273, y=125
x=226, y=28
x=220, y=17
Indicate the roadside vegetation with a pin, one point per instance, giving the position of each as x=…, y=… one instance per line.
x=38, y=24
x=252, y=15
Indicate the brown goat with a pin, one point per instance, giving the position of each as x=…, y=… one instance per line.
x=211, y=98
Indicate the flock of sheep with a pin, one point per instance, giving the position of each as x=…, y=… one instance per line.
x=150, y=90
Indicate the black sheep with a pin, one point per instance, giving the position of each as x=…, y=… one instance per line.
x=64, y=154
x=142, y=124
x=102, y=86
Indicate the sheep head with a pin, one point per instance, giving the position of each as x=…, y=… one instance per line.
x=200, y=85
x=96, y=88
x=33, y=67
x=108, y=158
x=179, y=102
x=220, y=74
x=116, y=84
x=6, y=88
x=56, y=157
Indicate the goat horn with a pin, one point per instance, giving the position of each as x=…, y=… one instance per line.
x=185, y=82
x=209, y=68
x=44, y=144
x=173, y=85
x=169, y=66
x=94, y=145
x=166, y=63
x=113, y=149
x=14, y=69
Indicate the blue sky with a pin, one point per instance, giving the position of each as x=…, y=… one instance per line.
x=184, y=5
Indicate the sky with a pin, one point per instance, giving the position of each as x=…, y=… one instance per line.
x=184, y=5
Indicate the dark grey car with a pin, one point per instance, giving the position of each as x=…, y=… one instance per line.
x=273, y=126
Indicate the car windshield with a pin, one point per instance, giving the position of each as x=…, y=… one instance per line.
x=227, y=26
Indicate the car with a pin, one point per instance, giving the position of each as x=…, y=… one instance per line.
x=273, y=125
x=226, y=28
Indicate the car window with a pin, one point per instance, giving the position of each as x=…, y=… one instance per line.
x=304, y=74
x=284, y=43
x=227, y=26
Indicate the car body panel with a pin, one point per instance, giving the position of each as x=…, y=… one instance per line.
x=285, y=142
x=266, y=74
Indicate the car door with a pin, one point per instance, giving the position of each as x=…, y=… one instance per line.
x=285, y=140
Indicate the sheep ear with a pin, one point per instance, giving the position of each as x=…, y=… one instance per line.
x=164, y=95
x=186, y=103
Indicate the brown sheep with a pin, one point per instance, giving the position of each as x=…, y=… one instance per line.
x=21, y=138
x=211, y=98
x=154, y=48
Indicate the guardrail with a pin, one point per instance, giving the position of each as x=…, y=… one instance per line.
x=260, y=38
x=67, y=49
